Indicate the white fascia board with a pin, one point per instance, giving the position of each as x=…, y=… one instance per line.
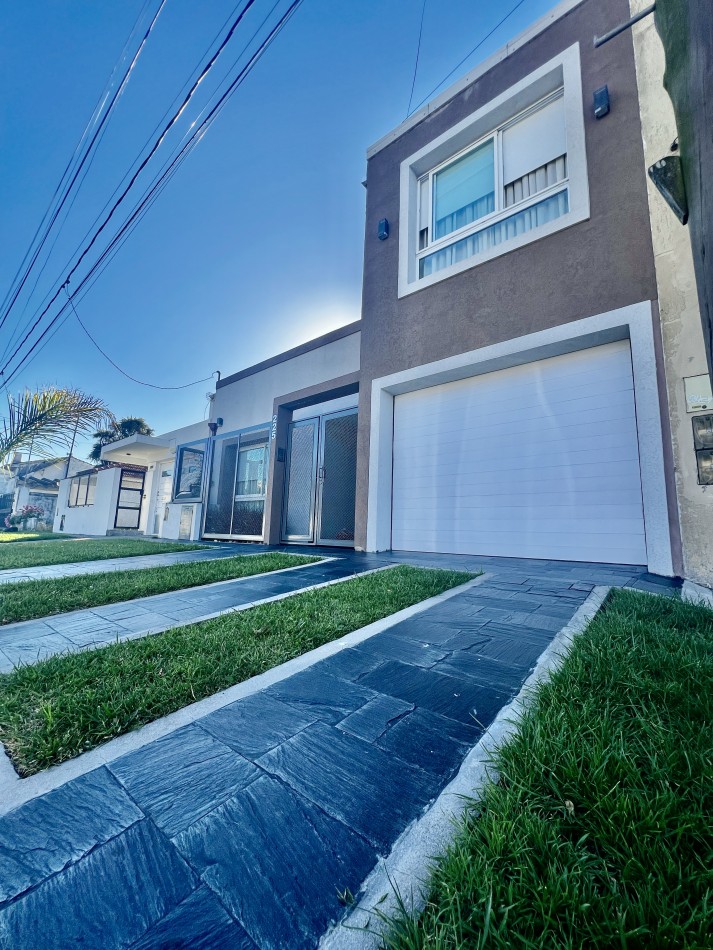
x=539, y=26
x=634, y=322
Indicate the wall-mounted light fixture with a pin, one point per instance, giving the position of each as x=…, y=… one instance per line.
x=667, y=175
x=382, y=231
x=602, y=105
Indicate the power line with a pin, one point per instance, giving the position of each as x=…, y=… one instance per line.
x=116, y=366
x=156, y=145
x=19, y=329
x=468, y=55
x=198, y=131
x=102, y=121
x=418, y=53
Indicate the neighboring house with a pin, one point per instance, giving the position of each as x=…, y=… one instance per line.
x=34, y=482
x=138, y=491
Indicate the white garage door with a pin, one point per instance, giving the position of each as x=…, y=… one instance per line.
x=539, y=461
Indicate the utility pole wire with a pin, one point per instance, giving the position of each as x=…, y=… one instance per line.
x=101, y=124
x=169, y=125
x=468, y=55
x=153, y=191
x=418, y=53
x=116, y=366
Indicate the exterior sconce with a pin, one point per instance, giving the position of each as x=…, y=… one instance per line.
x=601, y=102
x=383, y=229
x=667, y=175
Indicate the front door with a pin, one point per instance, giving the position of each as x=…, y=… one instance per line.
x=320, y=489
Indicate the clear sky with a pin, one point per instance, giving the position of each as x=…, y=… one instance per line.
x=256, y=244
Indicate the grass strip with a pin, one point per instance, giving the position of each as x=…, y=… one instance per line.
x=67, y=551
x=598, y=833
x=8, y=537
x=30, y=600
x=68, y=704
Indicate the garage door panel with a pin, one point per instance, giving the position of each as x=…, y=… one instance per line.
x=599, y=412
x=536, y=458
x=508, y=400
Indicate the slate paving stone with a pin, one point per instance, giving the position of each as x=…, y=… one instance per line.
x=520, y=653
x=369, y=790
x=147, y=622
x=432, y=632
x=349, y=664
x=200, y=922
x=256, y=724
x=430, y=742
x=372, y=720
x=106, y=900
x=527, y=632
x=398, y=648
x=36, y=650
x=505, y=677
x=326, y=697
x=181, y=777
x=277, y=862
x=467, y=639
x=455, y=697
x=57, y=829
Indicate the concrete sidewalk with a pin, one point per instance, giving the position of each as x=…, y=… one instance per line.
x=242, y=829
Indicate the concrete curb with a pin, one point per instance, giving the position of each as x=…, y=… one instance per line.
x=697, y=594
x=403, y=875
x=15, y=791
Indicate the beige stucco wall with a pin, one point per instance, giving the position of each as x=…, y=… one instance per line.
x=684, y=353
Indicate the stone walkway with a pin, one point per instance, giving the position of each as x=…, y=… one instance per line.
x=242, y=829
x=33, y=640
x=51, y=572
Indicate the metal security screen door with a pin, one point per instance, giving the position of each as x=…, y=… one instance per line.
x=238, y=483
x=321, y=480
x=128, y=504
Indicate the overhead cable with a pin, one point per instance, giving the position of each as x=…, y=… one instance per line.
x=123, y=372
x=468, y=55
x=159, y=183
x=102, y=121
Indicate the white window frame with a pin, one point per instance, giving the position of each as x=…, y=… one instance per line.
x=560, y=76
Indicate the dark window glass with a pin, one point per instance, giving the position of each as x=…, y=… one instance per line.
x=189, y=472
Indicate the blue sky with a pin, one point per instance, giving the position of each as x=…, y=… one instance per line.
x=256, y=244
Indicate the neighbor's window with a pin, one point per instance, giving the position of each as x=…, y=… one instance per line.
x=82, y=490
x=189, y=472
x=511, y=182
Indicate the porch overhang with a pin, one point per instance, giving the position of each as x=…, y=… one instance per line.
x=137, y=450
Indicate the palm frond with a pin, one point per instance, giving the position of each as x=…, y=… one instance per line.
x=47, y=418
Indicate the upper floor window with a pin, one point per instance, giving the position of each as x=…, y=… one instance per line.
x=511, y=173
x=82, y=489
x=189, y=472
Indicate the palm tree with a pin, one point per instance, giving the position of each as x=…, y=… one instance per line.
x=44, y=418
x=128, y=426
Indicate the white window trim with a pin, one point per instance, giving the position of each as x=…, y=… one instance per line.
x=564, y=71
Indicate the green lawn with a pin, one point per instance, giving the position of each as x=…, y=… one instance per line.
x=28, y=600
x=67, y=704
x=68, y=551
x=599, y=832
x=10, y=536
